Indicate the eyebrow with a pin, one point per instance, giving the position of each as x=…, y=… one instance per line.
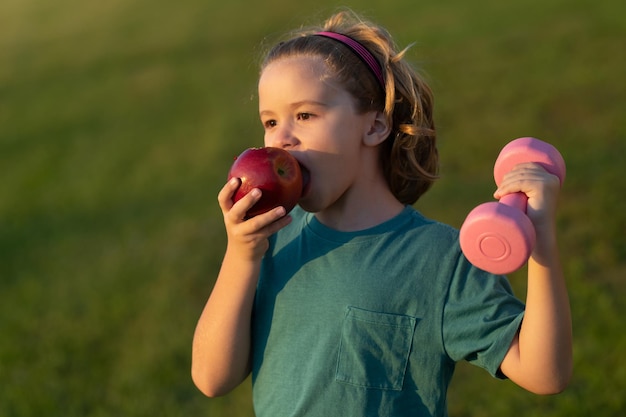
x=297, y=104
x=308, y=102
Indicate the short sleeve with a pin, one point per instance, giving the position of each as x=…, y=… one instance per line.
x=481, y=317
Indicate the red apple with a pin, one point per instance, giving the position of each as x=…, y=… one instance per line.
x=272, y=170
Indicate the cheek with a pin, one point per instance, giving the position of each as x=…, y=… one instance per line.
x=333, y=175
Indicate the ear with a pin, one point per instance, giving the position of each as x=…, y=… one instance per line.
x=378, y=129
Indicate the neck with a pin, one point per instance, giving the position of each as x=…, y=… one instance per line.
x=361, y=208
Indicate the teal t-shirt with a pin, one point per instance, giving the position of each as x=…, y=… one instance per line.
x=371, y=323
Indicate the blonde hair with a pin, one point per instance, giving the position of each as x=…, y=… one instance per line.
x=409, y=156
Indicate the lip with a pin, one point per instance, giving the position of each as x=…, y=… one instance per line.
x=306, y=179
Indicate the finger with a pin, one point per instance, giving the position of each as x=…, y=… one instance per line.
x=270, y=222
x=278, y=224
x=240, y=209
x=523, y=178
x=225, y=196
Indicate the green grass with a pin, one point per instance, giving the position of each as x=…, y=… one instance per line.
x=118, y=122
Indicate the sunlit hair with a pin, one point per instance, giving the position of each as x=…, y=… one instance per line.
x=409, y=156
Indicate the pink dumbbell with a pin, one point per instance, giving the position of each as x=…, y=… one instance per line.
x=498, y=237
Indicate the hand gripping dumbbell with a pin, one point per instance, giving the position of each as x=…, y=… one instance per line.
x=498, y=237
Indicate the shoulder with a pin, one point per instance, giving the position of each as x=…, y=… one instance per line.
x=436, y=235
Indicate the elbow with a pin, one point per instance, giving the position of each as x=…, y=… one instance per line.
x=554, y=385
x=560, y=385
x=206, y=387
x=210, y=391
x=217, y=378
x=201, y=383
x=561, y=382
x=212, y=383
x=549, y=389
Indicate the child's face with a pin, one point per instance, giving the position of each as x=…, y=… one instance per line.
x=305, y=111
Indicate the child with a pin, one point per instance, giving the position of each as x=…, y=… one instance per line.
x=354, y=304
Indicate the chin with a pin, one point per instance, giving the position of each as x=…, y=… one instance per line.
x=309, y=206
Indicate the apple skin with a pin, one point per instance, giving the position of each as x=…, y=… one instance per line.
x=272, y=170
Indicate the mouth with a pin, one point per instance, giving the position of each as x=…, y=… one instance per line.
x=306, y=179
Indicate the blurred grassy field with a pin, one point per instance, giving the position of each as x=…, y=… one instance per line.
x=119, y=119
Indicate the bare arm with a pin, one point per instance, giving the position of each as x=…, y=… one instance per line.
x=221, y=343
x=540, y=357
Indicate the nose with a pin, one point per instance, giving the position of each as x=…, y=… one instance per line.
x=281, y=136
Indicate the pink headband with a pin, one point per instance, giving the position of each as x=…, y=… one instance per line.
x=362, y=52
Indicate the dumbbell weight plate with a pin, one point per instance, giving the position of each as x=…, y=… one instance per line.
x=498, y=238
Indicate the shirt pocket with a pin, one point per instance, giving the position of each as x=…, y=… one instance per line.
x=374, y=349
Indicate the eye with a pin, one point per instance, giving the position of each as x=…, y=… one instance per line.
x=268, y=124
x=304, y=116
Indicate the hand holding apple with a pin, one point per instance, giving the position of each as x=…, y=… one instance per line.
x=272, y=170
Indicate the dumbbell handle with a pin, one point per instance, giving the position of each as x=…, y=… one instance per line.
x=515, y=200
